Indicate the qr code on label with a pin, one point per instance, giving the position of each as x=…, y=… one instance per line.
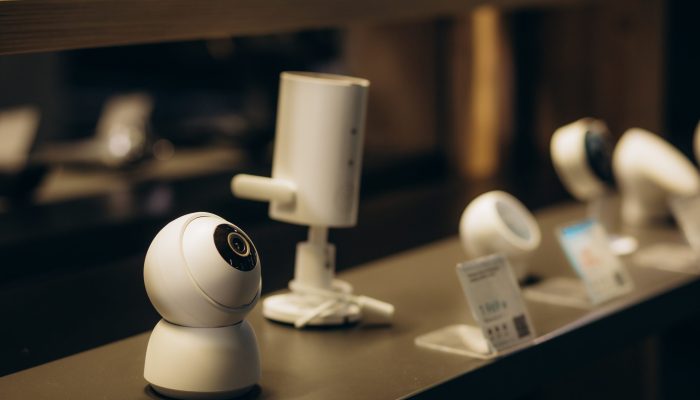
x=619, y=279
x=521, y=326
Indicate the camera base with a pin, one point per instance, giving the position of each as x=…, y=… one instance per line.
x=306, y=309
x=183, y=394
x=202, y=363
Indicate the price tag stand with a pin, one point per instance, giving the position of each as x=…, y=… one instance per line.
x=496, y=303
x=462, y=339
x=602, y=276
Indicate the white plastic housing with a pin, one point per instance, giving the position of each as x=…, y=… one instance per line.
x=497, y=222
x=202, y=363
x=188, y=281
x=568, y=152
x=318, y=151
x=648, y=170
x=314, y=264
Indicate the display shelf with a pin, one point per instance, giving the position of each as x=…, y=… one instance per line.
x=383, y=362
x=45, y=25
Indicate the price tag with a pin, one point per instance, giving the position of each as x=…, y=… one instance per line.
x=495, y=301
x=587, y=248
x=686, y=211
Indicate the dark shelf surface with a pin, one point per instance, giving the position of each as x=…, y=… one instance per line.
x=383, y=362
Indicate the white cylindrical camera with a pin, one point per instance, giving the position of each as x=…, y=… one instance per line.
x=316, y=182
x=648, y=170
x=202, y=275
x=319, y=148
x=497, y=222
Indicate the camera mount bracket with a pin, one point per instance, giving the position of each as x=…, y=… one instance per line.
x=315, y=297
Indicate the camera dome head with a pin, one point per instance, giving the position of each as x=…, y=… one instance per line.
x=582, y=156
x=497, y=222
x=202, y=271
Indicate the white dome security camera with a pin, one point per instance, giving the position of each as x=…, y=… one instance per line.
x=648, y=170
x=582, y=156
x=202, y=275
x=497, y=222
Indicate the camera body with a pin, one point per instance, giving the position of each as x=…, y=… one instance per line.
x=582, y=156
x=202, y=275
x=194, y=277
x=317, y=159
x=316, y=169
x=648, y=171
x=497, y=222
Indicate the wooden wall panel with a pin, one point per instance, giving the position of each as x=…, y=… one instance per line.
x=399, y=60
x=480, y=91
x=518, y=75
x=604, y=60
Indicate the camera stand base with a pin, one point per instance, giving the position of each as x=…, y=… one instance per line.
x=202, y=363
x=622, y=245
x=604, y=209
x=181, y=394
x=305, y=309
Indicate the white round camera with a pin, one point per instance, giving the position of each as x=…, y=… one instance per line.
x=582, y=156
x=496, y=222
x=202, y=271
x=202, y=274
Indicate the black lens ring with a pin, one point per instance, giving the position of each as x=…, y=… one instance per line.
x=240, y=260
x=231, y=239
x=599, y=150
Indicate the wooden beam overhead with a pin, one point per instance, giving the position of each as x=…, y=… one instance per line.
x=48, y=25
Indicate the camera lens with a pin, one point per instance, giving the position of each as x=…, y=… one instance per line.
x=599, y=151
x=235, y=248
x=238, y=244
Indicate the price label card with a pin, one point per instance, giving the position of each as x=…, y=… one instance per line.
x=686, y=211
x=495, y=301
x=587, y=248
